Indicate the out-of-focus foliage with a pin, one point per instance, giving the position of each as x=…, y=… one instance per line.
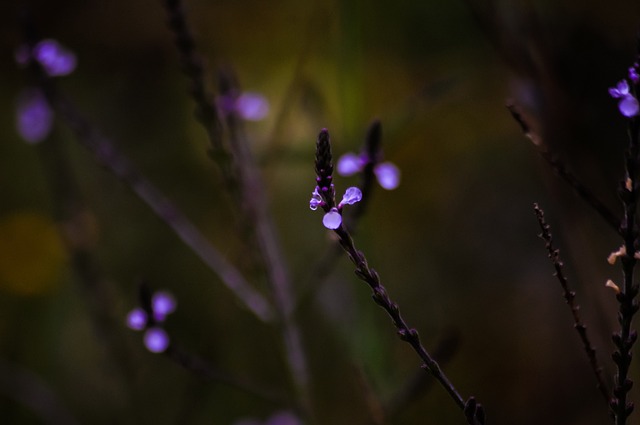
x=455, y=243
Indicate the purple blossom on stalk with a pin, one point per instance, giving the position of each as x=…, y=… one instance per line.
x=627, y=104
x=34, y=116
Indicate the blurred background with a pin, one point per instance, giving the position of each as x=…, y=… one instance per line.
x=455, y=244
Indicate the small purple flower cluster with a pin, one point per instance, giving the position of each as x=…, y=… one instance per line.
x=628, y=102
x=333, y=218
x=34, y=115
x=155, y=337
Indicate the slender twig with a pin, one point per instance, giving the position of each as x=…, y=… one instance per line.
x=324, y=171
x=247, y=189
x=560, y=168
x=419, y=383
x=626, y=337
x=569, y=296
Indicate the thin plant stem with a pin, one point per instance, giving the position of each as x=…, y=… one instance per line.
x=243, y=182
x=569, y=296
x=561, y=170
x=625, y=338
x=253, y=195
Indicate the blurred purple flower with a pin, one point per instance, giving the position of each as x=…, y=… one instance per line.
x=349, y=164
x=34, y=116
x=633, y=74
x=56, y=59
x=283, y=417
x=387, y=173
x=162, y=304
x=250, y=106
x=628, y=104
x=156, y=340
x=137, y=319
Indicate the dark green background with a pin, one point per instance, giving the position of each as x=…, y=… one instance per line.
x=455, y=244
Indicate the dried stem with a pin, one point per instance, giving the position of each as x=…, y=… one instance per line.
x=626, y=337
x=242, y=179
x=569, y=296
x=561, y=170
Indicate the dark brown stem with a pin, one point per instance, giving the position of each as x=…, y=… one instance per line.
x=561, y=170
x=569, y=296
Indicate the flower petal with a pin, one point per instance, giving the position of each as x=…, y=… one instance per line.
x=332, y=220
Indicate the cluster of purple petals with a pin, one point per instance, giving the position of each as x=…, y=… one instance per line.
x=333, y=218
x=55, y=59
x=34, y=115
x=625, y=93
x=155, y=337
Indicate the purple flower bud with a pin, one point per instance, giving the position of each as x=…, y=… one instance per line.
x=316, y=199
x=633, y=74
x=388, y=175
x=252, y=106
x=156, y=340
x=137, y=319
x=332, y=220
x=34, y=116
x=351, y=196
x=54, y=58
x=162, y=304
x=628, y=106
x=620, y=90
x=349, y=164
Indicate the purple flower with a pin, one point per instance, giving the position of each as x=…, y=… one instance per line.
x=249, y=105
x=333, y=218
x=162, y=304
x=349, y=164
x=633, y=74
x=387, y=173
x=137, y=319
x=156, y=340
x=34, y=116
x=628, y=104
x=55, y=59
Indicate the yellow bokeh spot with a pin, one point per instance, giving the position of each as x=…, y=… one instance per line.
x=31, y=253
